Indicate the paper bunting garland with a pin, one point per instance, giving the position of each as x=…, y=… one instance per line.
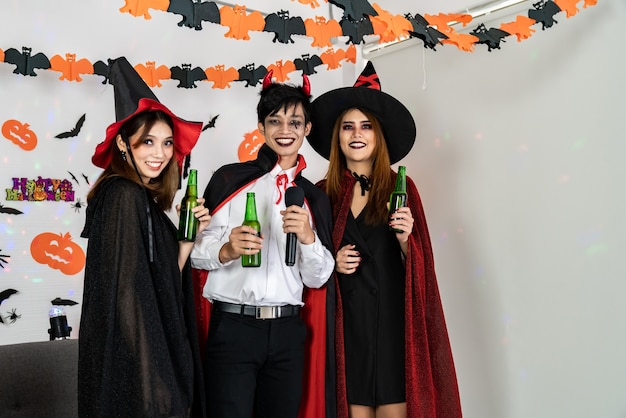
x=360, y=19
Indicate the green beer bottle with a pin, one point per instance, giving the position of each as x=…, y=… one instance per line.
x=188, y=223
x=250, y=219
x=397, y=199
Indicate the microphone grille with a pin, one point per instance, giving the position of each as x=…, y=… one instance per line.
x=294, y=196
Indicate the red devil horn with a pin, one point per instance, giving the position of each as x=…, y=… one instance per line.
x=267, y=80
x=306, y=85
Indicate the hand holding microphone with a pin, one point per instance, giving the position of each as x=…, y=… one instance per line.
x=293, y=196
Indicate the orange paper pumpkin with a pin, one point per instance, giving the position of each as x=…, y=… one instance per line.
x=20, y=134
x=249, y=147
x=58, y=251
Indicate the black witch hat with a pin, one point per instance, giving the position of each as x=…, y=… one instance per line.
x=396, y=120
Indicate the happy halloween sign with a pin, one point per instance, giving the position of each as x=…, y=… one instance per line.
x=41, y=189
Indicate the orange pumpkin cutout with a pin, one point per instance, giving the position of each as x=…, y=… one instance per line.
x=20, y=134
x=58, y=251
x=249, y=147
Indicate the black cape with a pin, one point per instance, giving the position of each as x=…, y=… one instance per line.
x=319, y=396
x=138, y=343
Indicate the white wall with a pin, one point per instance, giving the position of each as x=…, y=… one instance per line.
x=517, y=162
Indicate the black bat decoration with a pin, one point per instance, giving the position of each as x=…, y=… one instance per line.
x=490, y=37
x=187, y=76
x=251, y=74
x=544, y=12
x=211, y=123
x=73, y=177
x=307, y=64
x=75, y=130
x=25, y=62
x=356, y=29
x=63, y=302
x=5, y=294
x=195, y=12
x=284, y=26
x=86, y=179
x=10, y=211
x=3, y=261
x=355, y=9
x=429, y=35
x=101, y=68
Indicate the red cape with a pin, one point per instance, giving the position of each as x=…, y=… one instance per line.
x=431, y=384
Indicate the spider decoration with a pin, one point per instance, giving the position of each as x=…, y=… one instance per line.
x=3, y=259
x=13, y=316
x=78, y=205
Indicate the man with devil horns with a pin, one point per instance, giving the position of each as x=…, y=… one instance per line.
x=266, y=348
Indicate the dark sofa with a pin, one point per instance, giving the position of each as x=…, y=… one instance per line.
x=39, y=379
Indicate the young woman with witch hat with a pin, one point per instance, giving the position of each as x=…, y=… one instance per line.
x=138, y=344
x=393, y=353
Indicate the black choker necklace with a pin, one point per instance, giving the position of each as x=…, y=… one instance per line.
x=364, y=181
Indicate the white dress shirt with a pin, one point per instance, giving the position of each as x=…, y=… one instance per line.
x=274, y=283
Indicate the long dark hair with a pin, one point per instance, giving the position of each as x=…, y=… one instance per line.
x=163, y=188
x=381, y=178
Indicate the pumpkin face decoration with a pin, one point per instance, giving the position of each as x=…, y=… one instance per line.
x=249, y=147
x=58, y=251
x=20, y=134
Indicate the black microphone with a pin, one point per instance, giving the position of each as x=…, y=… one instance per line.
x=293, y=196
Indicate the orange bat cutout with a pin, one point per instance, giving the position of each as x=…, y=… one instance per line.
x=313, y=3
x=589, y=3
x=322, y=31
x=1, y=55
x=351, y=54
x=333, y=58
x=521, y=28
x=249, y=147
x=142, y=7
x=281, y=70
x=239, y=23
x=221, y=78
x=568, y=6
x=441, y=21
x=390, y=27
x=464, y=41
x=152, y=74
x=70, y=68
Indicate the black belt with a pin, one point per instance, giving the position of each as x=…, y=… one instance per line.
x=259, y=312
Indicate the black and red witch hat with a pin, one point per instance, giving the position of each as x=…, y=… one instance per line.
x=133, y=96
x=397, y=122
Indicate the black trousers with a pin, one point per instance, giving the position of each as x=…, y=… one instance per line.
x=254, y=367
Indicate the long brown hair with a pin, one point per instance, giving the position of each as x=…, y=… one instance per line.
x=381, y=177
x=163, y=188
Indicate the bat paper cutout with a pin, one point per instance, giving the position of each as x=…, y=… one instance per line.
x=441, y=21
x=1, y=55
x=25, y=62
x=429, y=36
x=322, y=31
x=284, y=26
x=239, y=23
x=187, y=76
x=63, y=302
x=73, y=177
x=521, y=27
x=307, y=64
x=490, y=37
x=390, y=27
x=142, y=7
x=86, y=179
x=281, y=70
x=194, y=13
x=463, y=41
x=10, y=211
x=332, y=58
x=220, y=77
x=75, y=130
x=354, y=9
x=69, y=68
x=356, y=30
x=101, y=68
x=544, y=12
x=251, y=74
x=210, y=124
x=152, y=74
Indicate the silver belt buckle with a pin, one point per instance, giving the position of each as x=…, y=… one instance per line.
x=267, y=312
